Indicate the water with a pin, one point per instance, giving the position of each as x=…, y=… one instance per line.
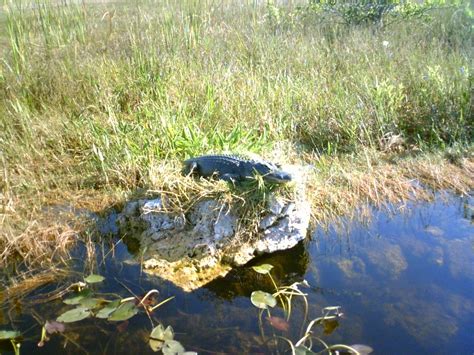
x=404, y=282
x=411, y=278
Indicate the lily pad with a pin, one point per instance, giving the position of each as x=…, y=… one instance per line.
x=74, y=315
x=263, y=269
x=9, y=334
x=93, y=278
x=108, y=309
x=78, y=297
x=172, y=347
x=91, y=303
x=159, y=335
x=123, y=312
x=262, y=299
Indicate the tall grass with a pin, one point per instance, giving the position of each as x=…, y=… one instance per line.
x=95, y=96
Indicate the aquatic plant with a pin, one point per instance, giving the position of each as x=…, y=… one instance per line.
x=304, y=345
x=89, y=304
x=12, y=336
x=140, y=86
x=163, y=339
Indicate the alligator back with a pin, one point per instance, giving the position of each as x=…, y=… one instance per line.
x=219, y=165
x=235, y=168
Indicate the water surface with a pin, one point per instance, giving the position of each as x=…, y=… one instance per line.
x=405, y=282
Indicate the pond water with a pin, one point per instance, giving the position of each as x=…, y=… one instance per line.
x=405, y=282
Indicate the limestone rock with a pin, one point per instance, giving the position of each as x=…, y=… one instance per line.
x=192, y=250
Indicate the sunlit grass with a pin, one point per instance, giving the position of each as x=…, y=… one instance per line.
x=98, y=97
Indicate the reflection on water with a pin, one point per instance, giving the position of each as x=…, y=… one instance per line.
x=405, y=283
x=414, y=274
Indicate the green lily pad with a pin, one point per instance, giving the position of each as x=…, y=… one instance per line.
x=108, y=309
x=9, y=334
x=263, y=269
x=172, y=347
x=123, y=312
x=78, y=297
x=262, y=299
x=74, y=315
x=159, y=336
x=93, y=278
x=91, y=303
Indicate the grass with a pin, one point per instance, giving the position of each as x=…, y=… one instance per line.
x=96, y=99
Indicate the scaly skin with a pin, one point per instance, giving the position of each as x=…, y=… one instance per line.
x=234, y=168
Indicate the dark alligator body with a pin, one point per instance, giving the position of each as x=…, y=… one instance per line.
x=234, y=168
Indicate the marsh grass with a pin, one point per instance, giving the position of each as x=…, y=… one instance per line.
x=350, y=187
x=96, y=100
x=20, y=287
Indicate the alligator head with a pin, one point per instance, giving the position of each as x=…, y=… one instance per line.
x=272, y=173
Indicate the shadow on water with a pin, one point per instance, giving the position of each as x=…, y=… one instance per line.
x=404, y=281
x=289, y=266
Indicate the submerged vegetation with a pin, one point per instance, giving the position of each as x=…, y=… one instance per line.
x=99, y=102
x=90, y=304
x=286, y=296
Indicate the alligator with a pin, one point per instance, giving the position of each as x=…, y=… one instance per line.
x=235, y=168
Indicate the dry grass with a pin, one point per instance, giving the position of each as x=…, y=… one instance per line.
x=349, y=186
x=39, y=229
x=22, y=285
x=37, y=245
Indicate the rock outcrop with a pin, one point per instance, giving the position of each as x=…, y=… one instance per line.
x=191, y=250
